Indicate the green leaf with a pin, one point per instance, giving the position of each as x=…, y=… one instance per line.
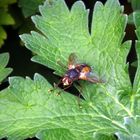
x=27, y=107
x=70, y=34
x=130, y=19
x=135, y=4
x=98, y=136
x=136, y=84
x=62, y=32
x=29, y=7
x=64, y=134
x=137, y=23
x=56, y=134
x=35, y=110
x=6, y=18
x=60, y=37
x=133, y=125
x=4, y=72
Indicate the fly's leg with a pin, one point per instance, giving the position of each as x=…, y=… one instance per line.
x=67, y=87
x=55, y=86
x=64, y=89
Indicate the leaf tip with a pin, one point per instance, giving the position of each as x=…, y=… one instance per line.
x=10, y=79
x=22, y=37
x=9, y=70
x=36, y=75
x=79, y=4
x=98, y=5
x=5, y=55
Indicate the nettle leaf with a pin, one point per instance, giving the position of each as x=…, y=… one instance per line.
x=4, y=72
x=65, y=32
x=29, y=7
x=27, y=108
x=136, y=85
x=135, y=4
x=56, y=134
x=59, y=38
x=99, y=136
x=133, y=125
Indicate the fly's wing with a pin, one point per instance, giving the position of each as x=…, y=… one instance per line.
x=94, y=78
x=72, y=61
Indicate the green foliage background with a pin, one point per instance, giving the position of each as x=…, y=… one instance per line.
x=109, y=110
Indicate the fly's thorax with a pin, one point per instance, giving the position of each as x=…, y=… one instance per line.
x=70, y=76
x=73, y=74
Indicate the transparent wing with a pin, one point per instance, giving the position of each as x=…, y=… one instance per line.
x=94, y=78
x=72, y=61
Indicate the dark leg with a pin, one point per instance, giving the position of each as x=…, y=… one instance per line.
x=63, y=88
x=67, y=87
x=55, y=85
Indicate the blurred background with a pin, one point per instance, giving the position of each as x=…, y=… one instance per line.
x=15, y=19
